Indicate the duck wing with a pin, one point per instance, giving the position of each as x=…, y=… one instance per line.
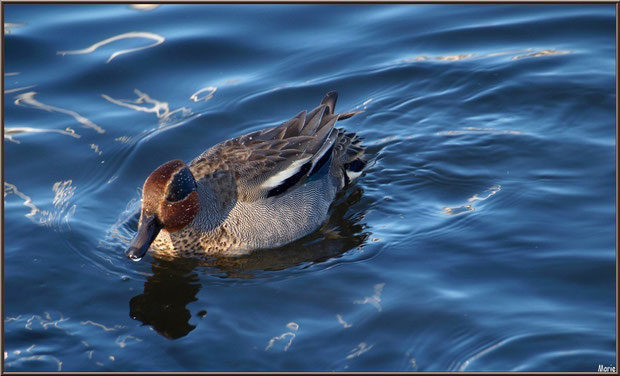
x=270, y=162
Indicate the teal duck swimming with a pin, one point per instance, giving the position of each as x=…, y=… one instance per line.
x=260, y=190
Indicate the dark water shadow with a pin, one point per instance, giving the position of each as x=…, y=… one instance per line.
x=167, y=292
x=176, y=282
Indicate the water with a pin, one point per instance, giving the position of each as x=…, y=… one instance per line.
x=481, y=240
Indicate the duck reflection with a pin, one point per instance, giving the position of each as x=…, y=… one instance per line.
x=166, y=294
x=176, y=282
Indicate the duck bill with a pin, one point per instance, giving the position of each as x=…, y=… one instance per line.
x=147, y=232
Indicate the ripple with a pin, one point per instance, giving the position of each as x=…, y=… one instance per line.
x=105, y=328
x=34, y=352
x=359, y=350
x=159, y=108
x=516, y=55
x=95, y=148
x=484, y=351
x=29, y=100
x=440, y=58
x=12, y=189
x=14, y=90
x=30, y=359
x=145, y=35
x=541, y=53
x=290, y=335
x=9, y=26
x=9, y=132
x=210, y=91
x=342, y=322
x=476, y=130
x=63, y=210
x=121, y=341
x=470, y=207
x=375, y=299
x=120, y=229
x=540, y=136
x=55, y=329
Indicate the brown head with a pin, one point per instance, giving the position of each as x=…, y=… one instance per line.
x=169, y=202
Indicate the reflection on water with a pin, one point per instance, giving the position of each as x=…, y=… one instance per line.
x=477, y=130
x=285, y=338
x=541, y=53
x=123, y=341
x=210, y=90
x=27, y=359
x=29, y=100
x=95, y=148
x=12, y=189
x=167, y=292
x=519, y=54
x=160, y=109
x=48, y=324
x=157, y=38
x=342, y=322
x=359, y=350
x=493, y=190
x=438, y=58
x=9, y=132
x=105, y=328
x=470, y=207
x=45, y=321
x=14, y=90
x=8, y=26
x=375, y=299
x=63, y=210
x=467, y=362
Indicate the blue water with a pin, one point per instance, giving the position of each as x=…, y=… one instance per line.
x=482, y=239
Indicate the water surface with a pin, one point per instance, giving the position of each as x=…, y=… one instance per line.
x=482, y=239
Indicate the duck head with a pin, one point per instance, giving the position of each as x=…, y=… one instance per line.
x=169, y=202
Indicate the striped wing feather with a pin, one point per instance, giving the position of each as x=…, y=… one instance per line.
x=269, y=162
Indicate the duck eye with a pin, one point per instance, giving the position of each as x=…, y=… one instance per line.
x=181, y=185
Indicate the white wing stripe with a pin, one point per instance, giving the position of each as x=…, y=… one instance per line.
x=281, y=176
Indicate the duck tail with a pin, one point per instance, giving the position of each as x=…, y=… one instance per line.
x=353, y=160
x=330, y=100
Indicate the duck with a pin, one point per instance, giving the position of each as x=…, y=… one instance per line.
x=261, y=190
